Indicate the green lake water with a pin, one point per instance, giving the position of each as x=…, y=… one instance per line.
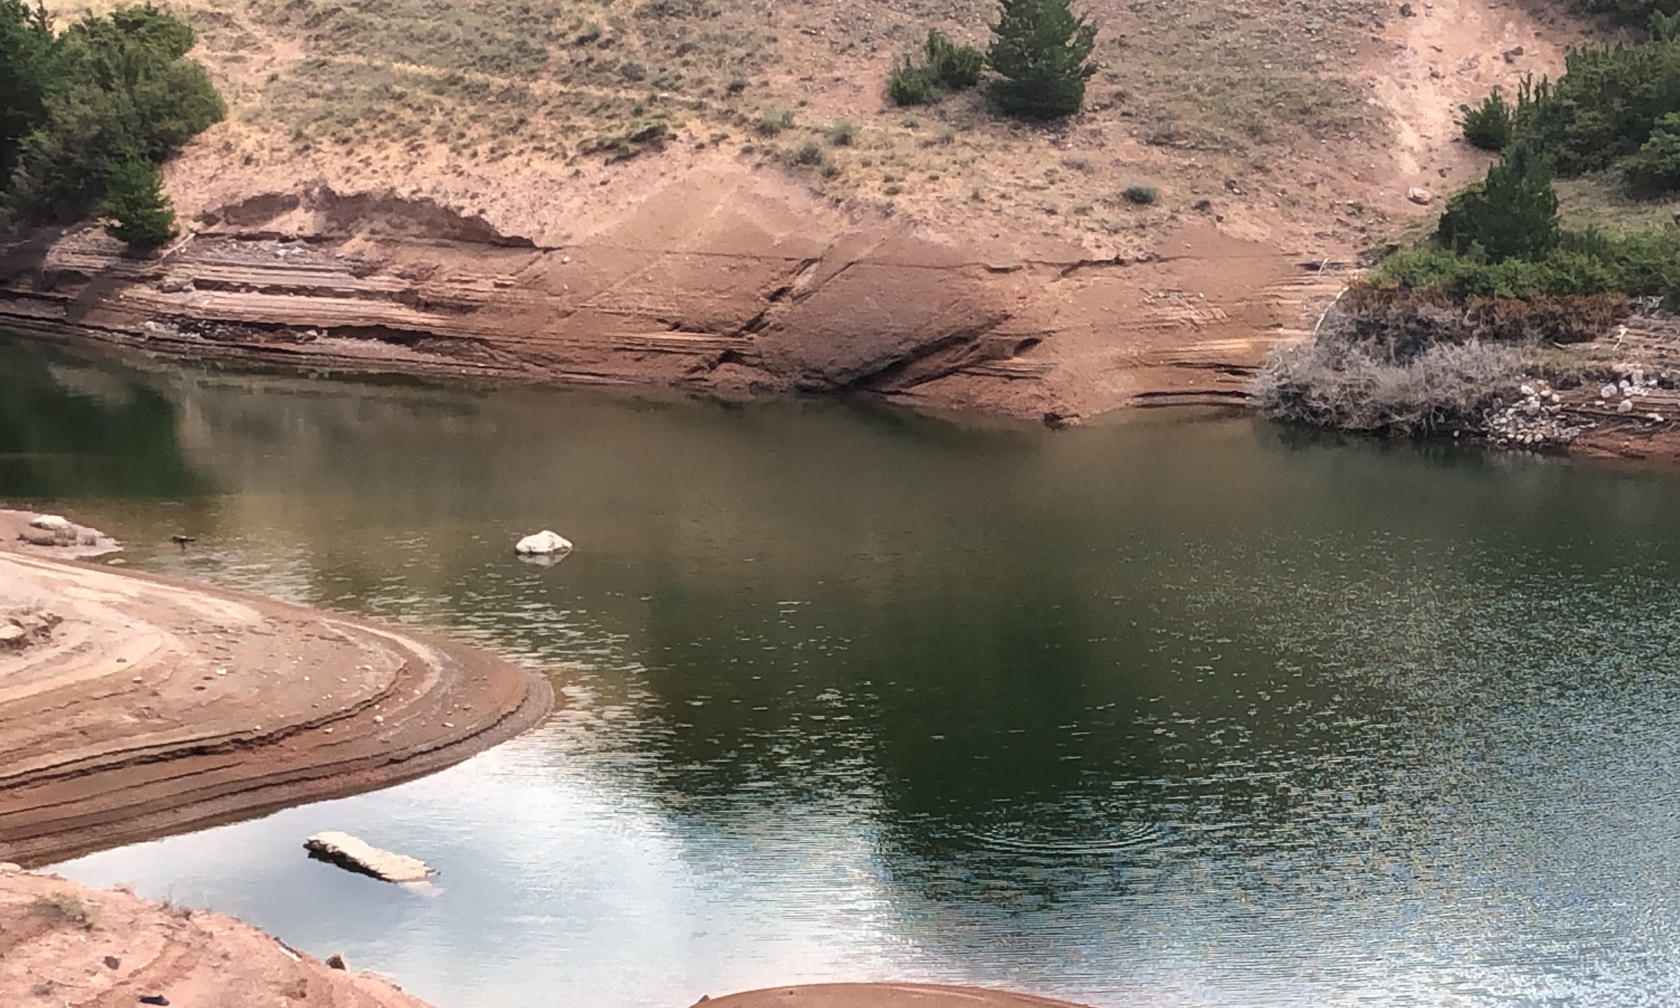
x=1174, y=710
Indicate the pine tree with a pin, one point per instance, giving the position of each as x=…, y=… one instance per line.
x=1042, y=50
x=140, y=215
x=1512, y=214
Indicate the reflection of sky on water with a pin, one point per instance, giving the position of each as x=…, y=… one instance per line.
x=1159, y=713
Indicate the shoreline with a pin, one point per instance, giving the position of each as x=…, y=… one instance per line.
x=150, y=706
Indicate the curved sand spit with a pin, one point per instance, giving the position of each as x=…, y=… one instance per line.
x=139, y=707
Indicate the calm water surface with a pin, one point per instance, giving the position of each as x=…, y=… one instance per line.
x=1156, y=712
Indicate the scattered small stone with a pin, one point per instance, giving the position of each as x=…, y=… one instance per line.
x=1607, y=392
x=112, y=962
x=1512, y=54
x=1419, y=195
x=1406, y=10
x=1626, y=406
x=336, y=961
x=9, y=868
x=153, y=999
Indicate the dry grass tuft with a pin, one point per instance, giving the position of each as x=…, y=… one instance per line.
x=62, y=908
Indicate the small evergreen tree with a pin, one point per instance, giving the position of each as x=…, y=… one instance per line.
x=140, y=215
x=909, y=84
x=1512, y=214
x=124, y=88
x=1655, y=168
x=1042, y=51
x=954, y=65
x=1489, y=125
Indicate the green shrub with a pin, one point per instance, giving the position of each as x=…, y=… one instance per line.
x=909, y=84
x=1510, y=214
x=953, y=65
x=1646, y=264
x=1489, y=126
x=29, y=57
x=771, y=123
x=1142, y=195
x=1603, y=108
x=1655, y=167
x=140, y=215
x=810, y=154
x=126, y=90
x=1632, y=11
x=1042, y=51
x=842, y=134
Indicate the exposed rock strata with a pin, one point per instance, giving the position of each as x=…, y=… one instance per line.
x=741, y=291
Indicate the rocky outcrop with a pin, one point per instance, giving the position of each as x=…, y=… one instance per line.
x=737, y=288
x=55, y=534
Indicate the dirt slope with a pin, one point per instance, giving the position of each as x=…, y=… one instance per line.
x=63, y=944
x=715, y=194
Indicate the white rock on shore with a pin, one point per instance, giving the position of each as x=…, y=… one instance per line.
x=358, y=855
x=58, y=532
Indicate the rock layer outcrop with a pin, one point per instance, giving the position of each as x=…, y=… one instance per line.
x=736, y=287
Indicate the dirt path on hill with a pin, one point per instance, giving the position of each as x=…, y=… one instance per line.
x=134, y=707
x=1450, y=53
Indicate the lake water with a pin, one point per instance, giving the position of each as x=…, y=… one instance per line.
x=1171, y=711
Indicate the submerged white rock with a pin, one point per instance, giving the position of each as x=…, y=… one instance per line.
x=544, y=543
x=358, y=855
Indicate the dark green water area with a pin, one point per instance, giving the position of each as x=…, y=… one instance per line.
x=1170, y=710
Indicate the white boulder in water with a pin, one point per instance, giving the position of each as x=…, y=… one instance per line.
x=358, y=855
x=544, y=543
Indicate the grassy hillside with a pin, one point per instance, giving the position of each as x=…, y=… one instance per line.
x=1204, y=100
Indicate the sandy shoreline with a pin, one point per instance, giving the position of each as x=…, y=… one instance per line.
x=152, y=707
x=62, y=943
